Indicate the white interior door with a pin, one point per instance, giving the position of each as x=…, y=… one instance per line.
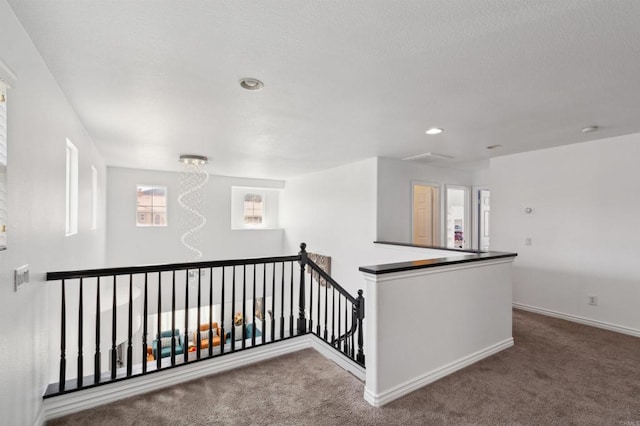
x=425, y=215
x=483, y=219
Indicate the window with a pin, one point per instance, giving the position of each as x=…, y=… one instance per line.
x=94, y=198
x=71, y=224
x=151, y=207
x=3, y=166
x=253, y=209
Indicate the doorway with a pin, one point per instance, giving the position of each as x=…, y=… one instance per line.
x=483, y=219
x=426, y=217
x=457, y=209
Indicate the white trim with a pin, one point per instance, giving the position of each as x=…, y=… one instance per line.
x=380, y=278
x=40, y=416
x=77, y=401
x=333, y=355
x=574, y=318
x=378, y=400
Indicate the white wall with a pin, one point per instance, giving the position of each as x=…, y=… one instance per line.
x=584, y=227
x=395, y=179
x=40, y=120
x=128, y=244
x=451, y=316
x=334, y=212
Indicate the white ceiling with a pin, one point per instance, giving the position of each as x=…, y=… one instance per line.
x=344, y=80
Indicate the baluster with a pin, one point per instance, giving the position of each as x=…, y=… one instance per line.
x=233, y=310
x=291, y=303
x=333, y=316
x=130, y=329
x=354, y=324
x=264, y=302
x=273, y=303
x=302, y=321
x=173, y=319
x=80, y=372
x=96, y=359
x=339, y=321
x=318, y=310
x=222, y=303
x=360, y=356
x=253, y=327
x=158, y=353
x=243, y=327
x=63, y=338
x=114, y=353
x=345, y=344
x=185, y=345
x=326, y=308
x=144, y=324
x=211, y=314
x=311, y=299
x=282, y=305
x=198, y=337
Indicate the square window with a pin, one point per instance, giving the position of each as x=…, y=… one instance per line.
x=151, y=205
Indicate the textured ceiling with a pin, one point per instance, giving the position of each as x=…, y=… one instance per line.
x=344, y=80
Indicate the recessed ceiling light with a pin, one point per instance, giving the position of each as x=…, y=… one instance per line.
x=251, y=84
x=199, y=160
x=590, y=129
x=494, y=146
x=434, y=131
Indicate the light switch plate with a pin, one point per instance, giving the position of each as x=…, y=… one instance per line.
x=21, y=276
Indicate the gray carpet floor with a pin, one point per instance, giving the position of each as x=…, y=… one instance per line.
x=558, y=372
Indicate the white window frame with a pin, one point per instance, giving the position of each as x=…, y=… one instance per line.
x=263, y=218
x=3, y=165
x=71, y=206
x=94, y=198
x=153, y=224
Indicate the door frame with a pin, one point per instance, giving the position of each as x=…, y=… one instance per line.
x=439, y=207
x=467, y=214
x=475, y=221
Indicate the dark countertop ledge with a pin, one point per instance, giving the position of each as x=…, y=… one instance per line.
x=471, y=256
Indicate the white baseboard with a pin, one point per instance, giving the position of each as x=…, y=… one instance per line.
x=340, y=359
x=77, y=401
x=586, y=321
x=40, y=417
x=380, y=399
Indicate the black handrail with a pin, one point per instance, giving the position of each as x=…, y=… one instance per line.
x=178, y=353
x=126, y=270
x=330, y=280
x=357, y=313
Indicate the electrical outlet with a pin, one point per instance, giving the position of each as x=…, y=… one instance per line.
x=527, y=241
x=593, y=300
x=21, y=276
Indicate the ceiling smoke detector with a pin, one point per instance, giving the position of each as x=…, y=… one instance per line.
x=198, y=160
x=251, y=84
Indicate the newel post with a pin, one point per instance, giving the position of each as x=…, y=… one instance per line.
x=302, y=321
x=360, y=355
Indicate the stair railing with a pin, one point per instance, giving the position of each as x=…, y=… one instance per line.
x=150, y=318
